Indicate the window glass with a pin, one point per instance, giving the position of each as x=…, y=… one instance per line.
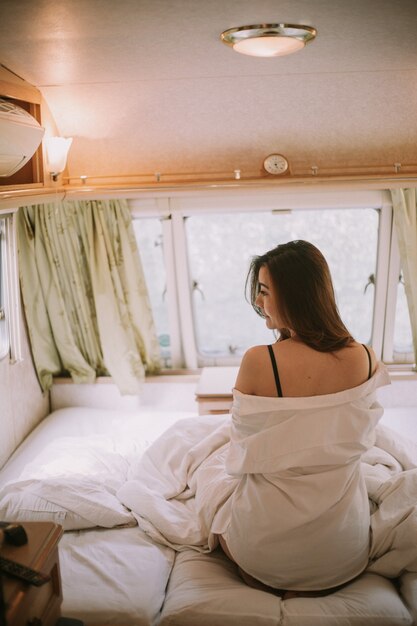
x=220, y=247
x=148, y=232
x=4, y=333
x=403, y=340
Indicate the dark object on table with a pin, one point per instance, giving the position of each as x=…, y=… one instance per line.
x=14, y=534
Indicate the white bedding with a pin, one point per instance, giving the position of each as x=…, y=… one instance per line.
x=73, y=479
x=180, y=494
x=114, y=576
x=178, y=489
x=69, y=470
x=143, y=426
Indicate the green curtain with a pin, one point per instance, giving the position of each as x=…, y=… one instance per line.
x=84, y=293
x=405, y=220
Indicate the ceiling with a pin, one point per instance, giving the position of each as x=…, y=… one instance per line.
x=146, y=86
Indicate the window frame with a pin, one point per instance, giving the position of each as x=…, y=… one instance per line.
x=143, y=208
x=388, y=353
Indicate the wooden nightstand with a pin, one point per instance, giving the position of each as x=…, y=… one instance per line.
x=214, y=389
x=27, y=605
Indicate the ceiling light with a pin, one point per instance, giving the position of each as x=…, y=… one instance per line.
x=268, y=40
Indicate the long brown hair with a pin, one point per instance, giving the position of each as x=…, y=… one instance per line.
x=301, y=278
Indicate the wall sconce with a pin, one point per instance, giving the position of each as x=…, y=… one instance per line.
x=56, y=154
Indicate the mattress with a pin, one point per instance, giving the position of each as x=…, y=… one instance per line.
x=113, y=577
x=143, y=426
x=206, y=590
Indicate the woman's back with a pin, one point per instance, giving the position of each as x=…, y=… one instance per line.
x=302, y=499
x=303, y=371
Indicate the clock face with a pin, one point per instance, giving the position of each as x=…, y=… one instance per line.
x=275, y=164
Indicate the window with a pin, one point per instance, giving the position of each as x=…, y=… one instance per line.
x=220, y=247
x=196, y=249
x=4, y=332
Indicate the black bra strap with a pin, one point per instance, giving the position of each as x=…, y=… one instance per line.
x=370, y=361
x=274, y=367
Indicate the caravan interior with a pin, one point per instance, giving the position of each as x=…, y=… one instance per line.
x=187, y=159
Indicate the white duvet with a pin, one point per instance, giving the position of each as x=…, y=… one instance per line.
x=171, y=510
x=183, y=500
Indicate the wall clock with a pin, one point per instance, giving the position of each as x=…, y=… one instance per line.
x=275, y=164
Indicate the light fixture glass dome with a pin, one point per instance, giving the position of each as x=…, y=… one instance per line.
x=56, y=154
x=268, y=40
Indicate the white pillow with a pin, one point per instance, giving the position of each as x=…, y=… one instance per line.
x=73, y=482
x=75, y=504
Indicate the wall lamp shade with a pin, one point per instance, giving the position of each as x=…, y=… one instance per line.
x=56, y=154
x=268, y=40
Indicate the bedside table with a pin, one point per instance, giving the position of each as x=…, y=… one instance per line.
x=214, y=390
x=27, y=605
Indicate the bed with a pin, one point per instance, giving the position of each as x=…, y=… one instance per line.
x=69, y=470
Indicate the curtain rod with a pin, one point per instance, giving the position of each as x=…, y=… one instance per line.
x=394, y=170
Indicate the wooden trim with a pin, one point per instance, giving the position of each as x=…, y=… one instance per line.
x=218, y=397
x=97, y=192
x=12, y=86
x=189, y=181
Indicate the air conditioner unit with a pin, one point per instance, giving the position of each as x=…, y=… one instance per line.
x=20, y=136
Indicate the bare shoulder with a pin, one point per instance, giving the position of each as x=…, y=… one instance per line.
x=358, y=353
x=253, y=361
x=255, y=353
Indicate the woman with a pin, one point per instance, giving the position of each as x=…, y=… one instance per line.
x=304, y=412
